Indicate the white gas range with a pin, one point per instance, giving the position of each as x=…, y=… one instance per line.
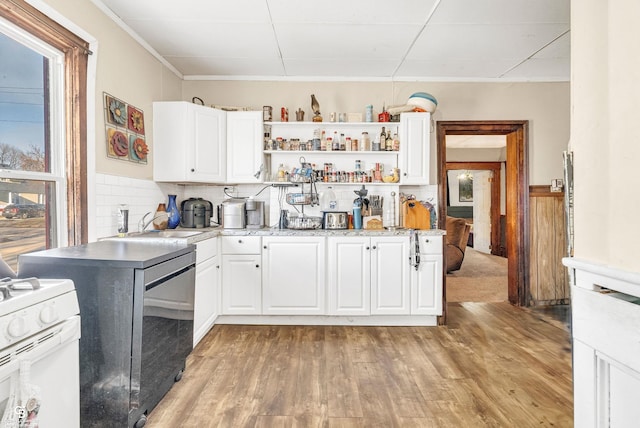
x=39, y=359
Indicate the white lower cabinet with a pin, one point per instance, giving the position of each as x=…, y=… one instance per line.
x=241, y=276
x=426, y=282
x=349, y=275
x=390, y=276
x=293, y=275
x=368, y=276
x=207, y=292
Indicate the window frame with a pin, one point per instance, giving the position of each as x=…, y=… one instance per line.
x=76, y=51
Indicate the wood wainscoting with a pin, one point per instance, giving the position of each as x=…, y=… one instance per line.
x=549, y=279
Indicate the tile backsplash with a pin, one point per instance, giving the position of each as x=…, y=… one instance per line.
x=143, y=196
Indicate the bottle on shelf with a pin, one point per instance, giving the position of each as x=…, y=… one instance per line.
x=366, y=142
x=396, y=142
x=329, y=144
x=316, y=142
x=388, y=145
x=323, y=142
x=336, y=142
x=343, y=144
x=380, y=141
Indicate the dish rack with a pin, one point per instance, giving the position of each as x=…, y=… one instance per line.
x=303, y=175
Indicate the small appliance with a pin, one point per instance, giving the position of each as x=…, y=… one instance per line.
x=232, y=214
x=255, y=213
x=335, y=220
x=195, y=213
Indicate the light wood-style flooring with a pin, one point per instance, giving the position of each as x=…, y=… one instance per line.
x=493, y=365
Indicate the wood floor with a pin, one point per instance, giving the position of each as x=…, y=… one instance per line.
x=493, y=365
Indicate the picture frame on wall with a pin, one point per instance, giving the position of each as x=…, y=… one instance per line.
x=465, y=188
x=124, y=131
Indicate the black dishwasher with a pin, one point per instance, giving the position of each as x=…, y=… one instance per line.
x=136, y=309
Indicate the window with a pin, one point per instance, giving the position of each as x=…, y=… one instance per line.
x=42, y=133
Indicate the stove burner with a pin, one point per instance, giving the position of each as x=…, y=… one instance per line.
x=16, y=284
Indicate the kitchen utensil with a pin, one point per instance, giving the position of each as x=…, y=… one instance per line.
x=416, y=215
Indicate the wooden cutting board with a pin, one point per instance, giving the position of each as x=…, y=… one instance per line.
x=416, y=215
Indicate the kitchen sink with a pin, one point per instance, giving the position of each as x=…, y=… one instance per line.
x=164, y=234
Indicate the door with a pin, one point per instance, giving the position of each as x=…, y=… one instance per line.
x=390, y=292
x=349, y=275
x=244, y=146
x=293, y=278
x=210, y=135
x=241, y=284
x=482, y=211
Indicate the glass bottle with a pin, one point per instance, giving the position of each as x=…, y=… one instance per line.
x=323, y=142
x=396, y=142
x=173, y=213
x=123, y=220
x=388, y=145
x=366, y=142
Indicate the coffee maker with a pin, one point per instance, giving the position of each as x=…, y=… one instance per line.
x=255, y=213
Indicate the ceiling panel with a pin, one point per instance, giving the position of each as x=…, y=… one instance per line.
x=410, y=39
x=353, y=42
x=371, y=12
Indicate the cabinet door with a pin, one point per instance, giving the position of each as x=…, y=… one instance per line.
x=244, y=146
x=349, y=275
x=189, y=143
x=209, y=153
x=293, y=275
x=206, y=298
x=415, y=148
x=241, y=284
x=426, y=286
x=390, y=275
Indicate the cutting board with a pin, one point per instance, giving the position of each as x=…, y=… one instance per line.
x=416, y=215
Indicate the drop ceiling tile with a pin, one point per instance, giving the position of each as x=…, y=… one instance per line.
x=232, y=40
x=340, y=67
x=551, y=68
x=344, y=41
x=481, y=42
x=502, y=11
x=449, y=69
x=202, y=66
x=373, y=12
x=191, y=10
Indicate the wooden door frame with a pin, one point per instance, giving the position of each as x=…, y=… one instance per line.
x=494, y=215
x=517, y=194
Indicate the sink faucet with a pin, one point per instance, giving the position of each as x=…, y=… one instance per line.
x=142, y=225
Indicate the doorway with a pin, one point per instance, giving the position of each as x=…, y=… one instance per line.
x=516, y=197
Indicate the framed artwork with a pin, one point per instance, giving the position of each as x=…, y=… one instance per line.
x=465, y=190
x=125, y=132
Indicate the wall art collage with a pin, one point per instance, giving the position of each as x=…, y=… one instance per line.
x=125, y=131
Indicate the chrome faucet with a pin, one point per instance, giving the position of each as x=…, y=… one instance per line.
x=142, y=225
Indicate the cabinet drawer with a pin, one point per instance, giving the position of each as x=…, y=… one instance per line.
x=206, y=249
x=430, y=244
x=241, y=245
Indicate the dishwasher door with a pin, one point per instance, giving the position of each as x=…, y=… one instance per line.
x=166, y=339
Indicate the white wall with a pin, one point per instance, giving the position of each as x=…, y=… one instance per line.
x=545, y=105
x=605, y=137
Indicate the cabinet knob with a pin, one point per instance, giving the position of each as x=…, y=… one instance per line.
x=405, y=174
x=265, y=247
x=368, y=248
x=239, y=241
x=374, y=247
x=193, y=170
x=257, y=266
x=426, y=240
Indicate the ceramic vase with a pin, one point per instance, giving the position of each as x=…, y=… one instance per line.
x=173, y=213
x=160, y=218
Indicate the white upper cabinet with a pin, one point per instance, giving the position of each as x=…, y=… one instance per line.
x=189, y=143
x=415, y=148
x=244, y=146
